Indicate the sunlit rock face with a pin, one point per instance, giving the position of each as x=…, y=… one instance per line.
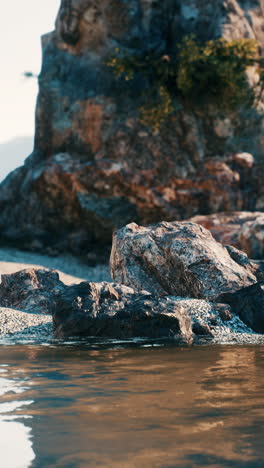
x=95, y=167
x=179, y=258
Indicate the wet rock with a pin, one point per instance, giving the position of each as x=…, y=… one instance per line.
x=116, y=311
x=30, y=290
x=241, y=229
x=95, y=167
x=248, y=304
x=179, y=258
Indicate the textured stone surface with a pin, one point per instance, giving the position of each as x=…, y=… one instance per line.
x=243, y=230
x=94, y=167
x=108, y=310
x=248, y=303
x=30, y=290
x=178, y=258
x=115, y=311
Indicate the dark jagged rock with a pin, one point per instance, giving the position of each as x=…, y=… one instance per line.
x=30, y=290
x=178, y=258
x=95, y=167
x=115, y=311
x=248, y=303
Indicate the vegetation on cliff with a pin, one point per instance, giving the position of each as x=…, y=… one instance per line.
x=214, y=71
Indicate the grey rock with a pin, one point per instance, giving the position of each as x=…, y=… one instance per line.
x=30, y=290
x=178, y=258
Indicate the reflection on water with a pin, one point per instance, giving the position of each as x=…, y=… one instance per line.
x=133, y=408
x=15, y=438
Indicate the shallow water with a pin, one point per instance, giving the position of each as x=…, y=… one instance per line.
x=90, y=405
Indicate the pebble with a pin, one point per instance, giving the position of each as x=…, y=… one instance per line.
x=15, y=321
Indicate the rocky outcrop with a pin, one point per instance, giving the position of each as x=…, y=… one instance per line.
x=248, y=304
x=179, y=258
x=243, y=230
x=30, y=290
x=95, y=167
x=115, y=311
x=105, y=310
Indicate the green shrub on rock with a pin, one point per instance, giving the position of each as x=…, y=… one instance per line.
x=198, y=72
x=216, y=71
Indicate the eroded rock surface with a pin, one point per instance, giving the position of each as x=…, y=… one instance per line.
x=178, y=258
x=30, y=290
x=108, y=310
x=95, y=167
x=243, y=230
x=115, y=311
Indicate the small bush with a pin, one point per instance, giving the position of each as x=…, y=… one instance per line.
x=216, y=71
x=213, y=71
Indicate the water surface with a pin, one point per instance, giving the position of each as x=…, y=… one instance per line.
x=83, y=405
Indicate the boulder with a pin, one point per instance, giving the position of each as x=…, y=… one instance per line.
x=241, y=229
x=95, y=167
x=178, y=258
x=116, y=311
x=30, y=290
x=248, y=303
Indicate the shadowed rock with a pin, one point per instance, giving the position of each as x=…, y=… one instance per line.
x=30, y=290
x=178, y=258
x=116, y=311
x=248, y=303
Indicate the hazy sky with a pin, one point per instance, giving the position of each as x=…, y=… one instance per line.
x=22, y=22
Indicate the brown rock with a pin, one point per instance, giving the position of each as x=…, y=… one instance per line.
x=178, y=258
x=251, y=237
x=245, y=160
x=243, y=230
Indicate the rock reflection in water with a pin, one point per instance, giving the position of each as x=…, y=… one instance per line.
x=144, y=407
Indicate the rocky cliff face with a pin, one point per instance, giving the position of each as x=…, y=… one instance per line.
x=95, y=167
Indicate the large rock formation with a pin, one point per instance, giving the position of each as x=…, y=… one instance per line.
x=178, y=258
x=95, y=167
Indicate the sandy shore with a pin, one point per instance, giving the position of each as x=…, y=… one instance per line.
x=70, y=269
